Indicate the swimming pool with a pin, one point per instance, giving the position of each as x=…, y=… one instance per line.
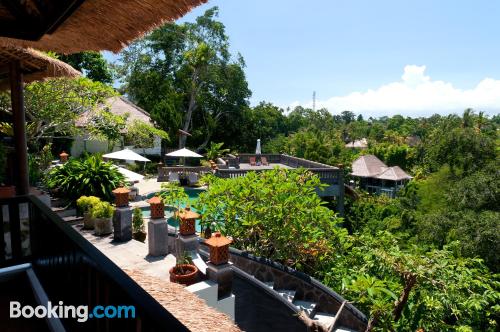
x=192, y=193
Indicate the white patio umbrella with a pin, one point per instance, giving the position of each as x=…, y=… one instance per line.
x=129, y=175
x=183, y=153
x=258, y=149
x=125, y=154
x=186, y=153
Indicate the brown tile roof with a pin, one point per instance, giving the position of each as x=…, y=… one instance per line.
x=188, y=308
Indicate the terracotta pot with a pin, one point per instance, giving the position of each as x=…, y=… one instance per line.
x=88, y=221
x=139, y=236
x=188, y=278
x=7, y=191
x=103, y=226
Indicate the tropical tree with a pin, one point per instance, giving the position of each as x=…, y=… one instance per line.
x=92, y=64
x=215, y=151
x=142, y=135
x=185, y=75
x=53, y=106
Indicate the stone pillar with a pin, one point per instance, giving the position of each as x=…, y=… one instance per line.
x=158, y=237
x=218, y=267
x=187, y=243
x=157, y=228
x=122, y=224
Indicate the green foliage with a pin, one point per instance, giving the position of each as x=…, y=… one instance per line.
x=86, y=203
x=92, y=64
x=215, y=151
x=449, y=292
x=90, y=177
x=174, y=195
x=395, y=155
x=102, y=210
x=52, y=106
x=142, y=135
x=38, y=163
x=137, y=221
x=275, y=214
x=185, y=76
x=104, y=125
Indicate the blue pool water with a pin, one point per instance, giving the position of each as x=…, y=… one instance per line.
x=193, y=194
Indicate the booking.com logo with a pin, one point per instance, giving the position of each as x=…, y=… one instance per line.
x=81, y=313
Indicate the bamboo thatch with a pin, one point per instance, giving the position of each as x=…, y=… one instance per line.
x=108, y=25
x=36, y=66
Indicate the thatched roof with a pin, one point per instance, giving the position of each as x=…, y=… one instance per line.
x=188, y=308
x=105, y=24
x=369, y=166
x=118, y=105
x=35, y=65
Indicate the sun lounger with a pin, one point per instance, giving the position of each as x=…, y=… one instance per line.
x=193, y=178
x=264, y=161
x=252, y=161
x=173, y=177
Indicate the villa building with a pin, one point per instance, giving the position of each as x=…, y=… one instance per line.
x=376, y=177
x=118, y=106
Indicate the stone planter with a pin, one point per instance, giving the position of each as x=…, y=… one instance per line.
x=88, y=221
x=103, y=226
x=186, y=277
x=7, y=191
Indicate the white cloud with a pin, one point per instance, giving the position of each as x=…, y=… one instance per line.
x=416, y=94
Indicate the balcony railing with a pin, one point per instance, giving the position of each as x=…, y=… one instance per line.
x=72, y=270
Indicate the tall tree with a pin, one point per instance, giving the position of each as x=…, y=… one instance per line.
x=185, y=76
x=92, y=64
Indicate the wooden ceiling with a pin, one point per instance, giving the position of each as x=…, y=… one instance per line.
x=31, y=19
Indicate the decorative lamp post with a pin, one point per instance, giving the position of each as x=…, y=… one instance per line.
x=219, y=249
x=63, y=157
x=121, y=196
x=157, y=208
x=187, y=221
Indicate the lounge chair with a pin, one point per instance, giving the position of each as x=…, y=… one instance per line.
x=173, y=177
x=193, y=179
x=264, y=161
x=252, y=161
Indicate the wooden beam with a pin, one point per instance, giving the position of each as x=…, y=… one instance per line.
x=19, y=126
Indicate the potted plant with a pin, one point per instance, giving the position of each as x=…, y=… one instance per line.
x=85, y=205
x=5, y=191
x=184, y=272
x=138, y=225
x=102, y=213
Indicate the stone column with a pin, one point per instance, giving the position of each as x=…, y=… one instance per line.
x=157, y=229
x=218, y=268
x=122, y=218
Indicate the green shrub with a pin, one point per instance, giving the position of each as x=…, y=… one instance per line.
x=102, y=210
x=137, y=221
x=90, y=177
x=85, y=203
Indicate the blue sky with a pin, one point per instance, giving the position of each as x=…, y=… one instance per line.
x=373, y=57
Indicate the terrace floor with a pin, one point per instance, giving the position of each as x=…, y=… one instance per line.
x=151, y=273
x=246, y=166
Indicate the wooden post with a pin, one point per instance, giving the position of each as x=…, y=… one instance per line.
x=19, y=126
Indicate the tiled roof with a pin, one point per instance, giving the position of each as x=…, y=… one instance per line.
x=369, y=166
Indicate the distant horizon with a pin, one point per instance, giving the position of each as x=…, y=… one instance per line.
x=376, y=59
